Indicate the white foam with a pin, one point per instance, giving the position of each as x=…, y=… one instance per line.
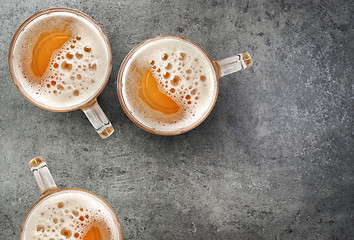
x=70, y=215
x=85, y=73
x=183, y=73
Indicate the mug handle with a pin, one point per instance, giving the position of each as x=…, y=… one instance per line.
x=233, y=64
x=42, y=175
x=98, y=119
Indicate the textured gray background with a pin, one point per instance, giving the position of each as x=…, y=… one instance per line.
x=274, y=160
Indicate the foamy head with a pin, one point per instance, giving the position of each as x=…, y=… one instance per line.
x=76, y=72
x=183, y=72
x=70, y=214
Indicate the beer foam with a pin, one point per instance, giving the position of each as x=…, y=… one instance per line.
x=75, y=72
x=182, y=72
x=70, y=215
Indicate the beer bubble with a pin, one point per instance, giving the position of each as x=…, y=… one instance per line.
x=56, y=65
x=79, y=76
x=166, y=75
x=60, y=205
x=172, y=90
x=66, y=65
x=79, y=55
x=168, y=66
x=175, y=81
x=92, y=66
x=87, y=49
x=188, y=97
x=40, y=228
x=65, y=232
x=78, y=38
x=72, y=46
x=188, y=71
x=76, y=92
x=152, y=62
x=164, y=56
x=53, y=83
x=194, y=91
x=182, y=56
x=203, y=78
x=69, y=55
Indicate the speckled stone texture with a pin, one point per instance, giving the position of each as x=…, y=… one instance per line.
x=274, y=160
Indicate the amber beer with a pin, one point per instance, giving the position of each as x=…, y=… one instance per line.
x=71, y=214
x=60, y=60
x=168, y=84
x=67, y=213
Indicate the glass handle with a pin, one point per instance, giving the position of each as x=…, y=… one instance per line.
x=99, y=120
x=42, y=175
x=234, y=64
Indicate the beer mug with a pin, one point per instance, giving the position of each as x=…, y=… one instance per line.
x=60, y=60
x=168, y=85
x=67, y=213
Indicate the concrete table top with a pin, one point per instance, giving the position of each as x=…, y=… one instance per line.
x=274, y=160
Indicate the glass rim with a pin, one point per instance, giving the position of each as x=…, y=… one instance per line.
x=149, y=128
x=17, y=82
x=59, y=191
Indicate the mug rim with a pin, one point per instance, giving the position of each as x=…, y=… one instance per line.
x=17, y=82
x=159, y=131
x=57, y=191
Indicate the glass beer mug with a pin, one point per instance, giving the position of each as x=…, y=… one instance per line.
x=168, y=85
x=67, y=213
x=60, y=60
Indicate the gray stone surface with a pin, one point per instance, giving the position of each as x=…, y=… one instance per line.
x=274, y=160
